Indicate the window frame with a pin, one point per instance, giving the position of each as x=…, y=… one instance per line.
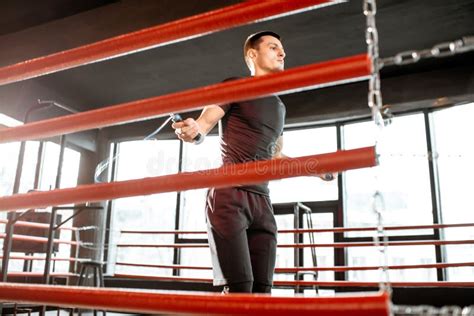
x=340, y=255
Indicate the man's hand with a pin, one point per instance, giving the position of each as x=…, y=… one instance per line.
x=328, y=176
x=186, y=130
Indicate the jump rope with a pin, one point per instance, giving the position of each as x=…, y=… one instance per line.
x=104, y=164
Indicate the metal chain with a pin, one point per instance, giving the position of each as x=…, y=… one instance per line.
x=376, y=105
x=372, y=40
x=425, y=310
x=459, y=46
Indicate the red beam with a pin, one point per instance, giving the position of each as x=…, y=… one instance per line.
x=299, y=269
x=389, y=243
x=325, y=245
x=41, y=240
x=367, y=268
x=247, y=173
x=330, y=284
x=358, y=229
x=315, y=230
x=40, y=274
x=36, y=225
x=165, y=232
x=161, y=266
x=179, y=30
x=282, y=231
x=203, y=303
x=373, y=284
x=33, y=258
x=162, y=278
x=309, y=76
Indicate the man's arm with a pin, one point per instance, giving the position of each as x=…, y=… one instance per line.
x=188, y=129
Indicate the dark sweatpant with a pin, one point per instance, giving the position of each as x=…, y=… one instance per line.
x=242, y=239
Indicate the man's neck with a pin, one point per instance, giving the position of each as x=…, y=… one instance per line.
x=260, y=73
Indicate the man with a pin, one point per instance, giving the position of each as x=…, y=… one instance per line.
x=241, y=225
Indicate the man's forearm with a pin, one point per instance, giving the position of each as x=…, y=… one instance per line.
x=209, y=118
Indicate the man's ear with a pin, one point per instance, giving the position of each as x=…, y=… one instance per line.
x=251, y=53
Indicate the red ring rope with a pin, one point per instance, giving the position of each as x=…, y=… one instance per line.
x=40, y=274
x=42, y=240
x=308, y=283
x=315, y=230
x=33, y=258
x=185, y=303
x=322, y=245
x=160, y=35
x=247, y=173
x=309, y=76
x=302, y=269
x=37, y=225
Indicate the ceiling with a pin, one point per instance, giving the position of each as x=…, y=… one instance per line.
x=37, y=28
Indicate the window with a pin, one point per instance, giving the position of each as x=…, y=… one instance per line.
x=199, y=257
x=198, y=157
x=454, y=152
x=140, y=159
x=398, y=255
x=285, y=257
x=305, y=142
x=324, y=256
x=8, y=166
x=69, y=170
x=404, y=181
x=404, y=177
x=29, y=166
x=69, y=175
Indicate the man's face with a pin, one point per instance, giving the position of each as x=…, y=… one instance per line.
x=269, y=56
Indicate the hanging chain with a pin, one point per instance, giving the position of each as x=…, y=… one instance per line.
x=372, y=40
x=376, y=106
x=463, y=45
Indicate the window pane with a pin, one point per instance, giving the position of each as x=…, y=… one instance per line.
x=198, y=157
x=200, y=257
x=325, y=255
x=139, y=159
x=29, y=167
x=285, y=257
x=8, y=160
x=8, y=164
x=305, y=142
x=399, y=255
x=69, y=170
x=47, y=181
x=144, y=256
x=69, y=175
x=404, y=180
x=453, y=132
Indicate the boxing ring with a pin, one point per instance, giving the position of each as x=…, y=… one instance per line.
x=313, y=76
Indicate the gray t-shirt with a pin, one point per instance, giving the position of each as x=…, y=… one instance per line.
x=249, y=131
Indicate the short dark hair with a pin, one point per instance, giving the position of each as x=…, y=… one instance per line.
x=253, y=40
